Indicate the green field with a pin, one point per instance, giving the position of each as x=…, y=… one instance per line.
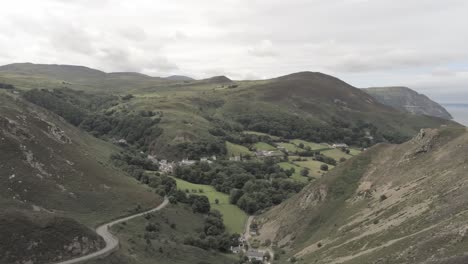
x=289, y=147
x=175, y=223
x=313, y=166
x=263, y=146
x=297, y=171
x=313, y=146
x=261, y=134
x=234, y=217
x=354, y=151
x=337, y=154
x=236, y=150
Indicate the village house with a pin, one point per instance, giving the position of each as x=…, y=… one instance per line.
x=187, y=162
x=268, y=153
x=254, y=255
x=340, y=145
x=236, y=250
x=165, y=166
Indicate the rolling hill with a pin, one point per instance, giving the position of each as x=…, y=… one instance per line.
x=57, y=181
x=306, y=105
x=407, y=100
x=392, y=204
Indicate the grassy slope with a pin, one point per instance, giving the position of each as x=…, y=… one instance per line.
x=336, y=154
x=167, y=246
x=297, y=171
x=73, y=178
x=234, y=218
x=237, y=150
x=342, y=218
x=52, y=167
x=189, y=107
x=312, y=145
x=263, y=146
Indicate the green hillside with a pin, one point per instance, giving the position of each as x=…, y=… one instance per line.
x=393, y=203
x=51, y=170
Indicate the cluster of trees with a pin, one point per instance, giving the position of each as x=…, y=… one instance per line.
x=136, y=130
x=134, y=163
x=289, y=126
x=202, y=148
x=7, y=86
x=89, y=111
x=252, y=186
x=213, y=235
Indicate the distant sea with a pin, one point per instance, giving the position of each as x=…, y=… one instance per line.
x=459, y=112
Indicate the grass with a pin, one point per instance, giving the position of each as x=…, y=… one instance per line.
x=354, y=151
x=263, y=146
x=313, y=146
x=166, y=245
x=236, y=150
x=234, y=218
x=91, y=190
x=297, y=171
x=289, y=147
x=314, y=167
x=336, y=154
x=261, y=134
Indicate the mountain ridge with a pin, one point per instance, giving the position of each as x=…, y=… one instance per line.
x=406, y=99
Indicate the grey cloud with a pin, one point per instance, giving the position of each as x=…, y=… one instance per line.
x=263, y=49
x=70, y=38
x=378, y=42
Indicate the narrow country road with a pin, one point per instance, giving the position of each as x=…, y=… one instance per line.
x=112, y=242
x=247, y=230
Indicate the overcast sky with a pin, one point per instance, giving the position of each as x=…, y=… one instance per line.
x=422, y=44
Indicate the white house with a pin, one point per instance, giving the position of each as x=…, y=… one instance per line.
x=340, y=145
x=254, y=255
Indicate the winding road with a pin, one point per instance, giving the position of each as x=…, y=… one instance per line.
x=112, y=242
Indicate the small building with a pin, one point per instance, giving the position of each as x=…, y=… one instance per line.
x=268, y=153
x=187, y=162
x=254, y=255
x=206, y=160
x=236, y=250
x=340, y=145
x=235, y=158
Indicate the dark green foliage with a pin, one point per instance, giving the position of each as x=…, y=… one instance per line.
x=150, y=227
x=213, y=235
x=196, y=150
x=199, y=203
x=251, y=185
x=324, y=167
x=55, y=102
x=305, y=172
x=288, y=125
x=135, y=164
x=90, y=112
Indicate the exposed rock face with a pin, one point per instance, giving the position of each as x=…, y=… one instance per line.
x=392, y=204
x=407, y=100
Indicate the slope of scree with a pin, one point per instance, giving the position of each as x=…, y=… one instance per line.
x=393, y=204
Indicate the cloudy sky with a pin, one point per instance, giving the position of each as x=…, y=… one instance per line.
x=422, y=44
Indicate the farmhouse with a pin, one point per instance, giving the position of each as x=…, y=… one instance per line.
x=268, y=153
x=340, y=145
x=254, y=255
x=187, y=162
x=236, y=250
